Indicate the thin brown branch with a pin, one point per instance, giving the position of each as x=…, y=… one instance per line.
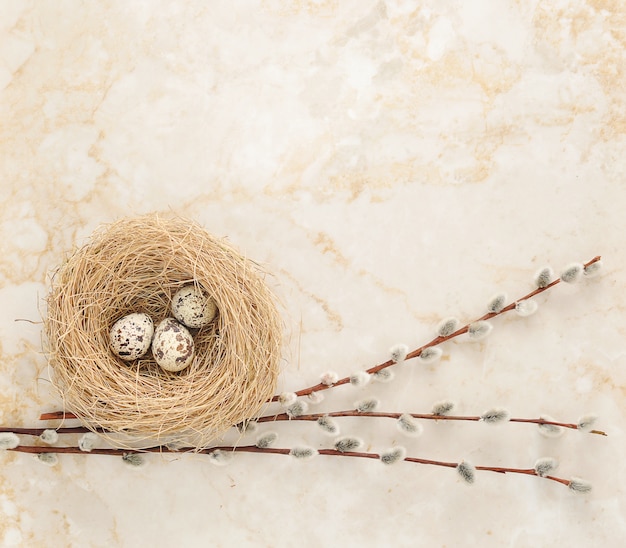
x=32, y=449
x=54, y=415
x=426, y=416
x=434, y=342
x=39, y=431
x=316, y=416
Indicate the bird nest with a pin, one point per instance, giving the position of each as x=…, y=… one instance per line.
x=136, y=265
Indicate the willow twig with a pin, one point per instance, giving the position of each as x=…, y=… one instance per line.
x=426, y=416
x=434, y=342
x=57, y=415
x=312, y=417
x=32, y=449
x=39, y=431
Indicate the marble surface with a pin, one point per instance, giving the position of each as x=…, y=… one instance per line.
x=390, y=163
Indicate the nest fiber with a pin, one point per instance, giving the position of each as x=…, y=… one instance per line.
x=136, y=265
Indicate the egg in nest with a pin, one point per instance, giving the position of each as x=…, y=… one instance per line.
x=131, y=336
x=193, y=307
x=172, y=345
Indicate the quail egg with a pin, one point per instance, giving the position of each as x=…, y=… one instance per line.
x=172, y=345
x=192, y=307
x=131, y=336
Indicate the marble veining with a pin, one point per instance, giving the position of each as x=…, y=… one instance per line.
x=389, y=163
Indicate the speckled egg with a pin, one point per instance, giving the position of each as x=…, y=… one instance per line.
x=172, y=345
x=192, y=307
x=131, y=336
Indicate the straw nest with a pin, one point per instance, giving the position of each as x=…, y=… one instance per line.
x=136, y=265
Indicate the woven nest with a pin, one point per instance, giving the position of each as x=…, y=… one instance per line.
x=136, y=265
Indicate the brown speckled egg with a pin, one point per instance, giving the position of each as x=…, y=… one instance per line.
x=131, y=336
x=172, y=345
x=192, y=307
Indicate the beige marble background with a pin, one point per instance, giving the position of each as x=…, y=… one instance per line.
x=390, y=163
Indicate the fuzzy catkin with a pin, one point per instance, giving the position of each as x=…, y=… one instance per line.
x=384, y=375
x=580, y=486
x=49, y=436
x=467, y=471
x=479, y=330
x=303, y=453
x=442, y=407
x=266, y=440
x=572, y=273
x=545, y=466
x=347, y=444
x=586, y=423
x=496, y=303
x=495, y=415
x=398, y=352
x=360, y=378
x=408, y=425
x=220, y=457
x=543, y=277
x=133, y=459
x=447, y=326
x=593, y=269
x=328, y=425
x=297, y=409
x=550, y=430
x=8, y=440
x=367, y=406
x=393, y=455
x=430, y=354
x=49, y=459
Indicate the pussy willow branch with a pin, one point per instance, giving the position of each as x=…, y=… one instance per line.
x=315, y=416
x=436, y=341
x=39, y=431
x=272, y=451
x=427, y=416
x=54, y=415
